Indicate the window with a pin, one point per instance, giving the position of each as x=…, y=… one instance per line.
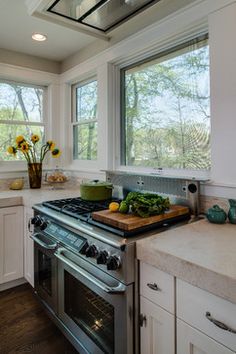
x=166, y=110
x=21, y=113
x=85, y=120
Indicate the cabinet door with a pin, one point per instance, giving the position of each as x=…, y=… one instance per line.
x=157, y=332
x=11, y=248
x=192, y=341
x=28, y=249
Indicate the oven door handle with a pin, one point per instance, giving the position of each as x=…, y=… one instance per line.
x=53, y=246
x=120, y=288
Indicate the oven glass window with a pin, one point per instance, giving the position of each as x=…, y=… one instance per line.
x=90, y=312
x=45, y=272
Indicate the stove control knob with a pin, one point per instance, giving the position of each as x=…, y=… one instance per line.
x=91, y=251
x=43, y=225
x=84, y=248
x=113, y=263
x=102, y=257
x=37, y=220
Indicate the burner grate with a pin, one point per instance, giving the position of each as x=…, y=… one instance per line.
x=76, y=206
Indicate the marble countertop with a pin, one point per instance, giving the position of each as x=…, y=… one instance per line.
x=29, y=197
x=200, y=253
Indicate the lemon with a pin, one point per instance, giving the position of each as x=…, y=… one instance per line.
x=113, y=206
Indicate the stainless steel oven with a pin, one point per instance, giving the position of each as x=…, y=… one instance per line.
x=94, y=306
x=45, y=269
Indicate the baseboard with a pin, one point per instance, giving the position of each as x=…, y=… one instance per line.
x=12, y=284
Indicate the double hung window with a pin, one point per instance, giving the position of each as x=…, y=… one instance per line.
x=166, y=109
x=22, y=112
x=85, y=120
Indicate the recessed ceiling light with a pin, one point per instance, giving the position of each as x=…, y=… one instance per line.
x=39, y=37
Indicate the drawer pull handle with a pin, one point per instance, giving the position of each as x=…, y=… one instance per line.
x=219, y=324
x=153, y=286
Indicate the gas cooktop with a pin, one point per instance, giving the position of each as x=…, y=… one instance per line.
x=82, y=210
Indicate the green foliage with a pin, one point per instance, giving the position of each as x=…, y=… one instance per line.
x=146, y=204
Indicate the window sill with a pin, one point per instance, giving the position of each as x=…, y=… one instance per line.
x=166, y=173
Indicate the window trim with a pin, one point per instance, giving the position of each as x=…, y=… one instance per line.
x=75, y=122
x=120, y=127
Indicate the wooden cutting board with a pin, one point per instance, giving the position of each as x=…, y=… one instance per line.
x=128, y=222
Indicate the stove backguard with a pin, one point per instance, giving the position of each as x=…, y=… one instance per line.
x=180, y=191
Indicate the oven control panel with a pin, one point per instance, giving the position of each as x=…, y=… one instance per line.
x=58, y=232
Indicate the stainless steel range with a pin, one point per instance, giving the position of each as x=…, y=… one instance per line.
x=86, y=275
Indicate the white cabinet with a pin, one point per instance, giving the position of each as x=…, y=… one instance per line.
x=192, y=341
x=11, y=244
x=157, y=330
x=157, y=320
x=28, y=249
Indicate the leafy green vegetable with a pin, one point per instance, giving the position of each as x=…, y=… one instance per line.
x=147, y=204
x=124, y=207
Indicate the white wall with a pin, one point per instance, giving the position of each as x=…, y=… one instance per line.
x=222, y=28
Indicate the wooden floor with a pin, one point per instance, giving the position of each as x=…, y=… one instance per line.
x=25, y=327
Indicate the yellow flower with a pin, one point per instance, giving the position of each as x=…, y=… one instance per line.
x=12, y=150
x=51, y=144
x=19, y=140
x=24, y=147
x=34, y=138
x=56, y=152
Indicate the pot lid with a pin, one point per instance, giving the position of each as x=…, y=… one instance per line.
x=95, y=183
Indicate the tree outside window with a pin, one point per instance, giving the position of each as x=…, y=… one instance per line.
x=21, y=113
x=166, y=110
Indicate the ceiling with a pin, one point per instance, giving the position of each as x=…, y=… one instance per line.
x=16, y=28
x=64, y=43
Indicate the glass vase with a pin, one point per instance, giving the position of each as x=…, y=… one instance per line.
x=35, y=175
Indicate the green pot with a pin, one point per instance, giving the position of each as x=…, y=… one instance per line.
x=216, y=215
x=96, y=190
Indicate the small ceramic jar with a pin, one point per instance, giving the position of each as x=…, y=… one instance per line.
x=232, y=211
x=216, y=215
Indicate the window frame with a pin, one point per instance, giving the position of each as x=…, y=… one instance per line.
x=15, y=166
x=120, y=126
x=75, y=122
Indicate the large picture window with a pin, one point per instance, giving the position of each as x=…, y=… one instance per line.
x=85, y=120
x=166, y=110
x=21, y=113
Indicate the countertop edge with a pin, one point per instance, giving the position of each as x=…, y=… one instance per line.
x=213, y=282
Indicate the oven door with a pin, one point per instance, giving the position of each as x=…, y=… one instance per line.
x=94, y=306
x=45, y=269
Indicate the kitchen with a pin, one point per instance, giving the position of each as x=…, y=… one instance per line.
x=145, y=105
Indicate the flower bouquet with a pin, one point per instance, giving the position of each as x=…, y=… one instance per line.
x=34, y=156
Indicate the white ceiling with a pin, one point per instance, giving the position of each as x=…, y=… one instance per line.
x=16, y=28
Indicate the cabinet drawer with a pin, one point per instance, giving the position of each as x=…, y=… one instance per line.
x=157, y=286
x=202, y=309
x=192, y=341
